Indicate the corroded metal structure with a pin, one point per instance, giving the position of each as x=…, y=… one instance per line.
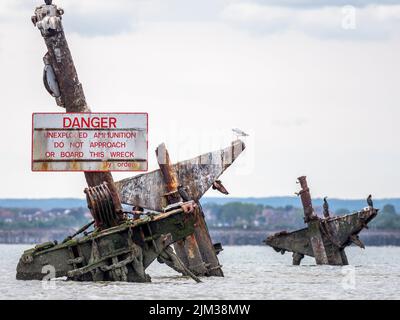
x=123, y=244
x=120, y=253
x=174, y=183
x=324, y=238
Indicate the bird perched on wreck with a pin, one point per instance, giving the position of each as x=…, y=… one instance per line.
x=326, y=208
x=239, y=133
x=370, y=202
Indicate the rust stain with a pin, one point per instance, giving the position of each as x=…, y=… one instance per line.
x=104, y=166
x=75, y=166
x=44, y=166
x=136, y=166
x=190, y=250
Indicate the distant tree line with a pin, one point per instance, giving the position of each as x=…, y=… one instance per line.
x=247, y=215
x=230, y=215
x=31, y=218
x=387, y=218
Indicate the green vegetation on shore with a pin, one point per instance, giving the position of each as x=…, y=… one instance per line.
x=229, y=215
x=248, y=215
x=32, y=218
x=387, y=219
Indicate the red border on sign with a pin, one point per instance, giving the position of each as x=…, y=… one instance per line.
x=64, y=113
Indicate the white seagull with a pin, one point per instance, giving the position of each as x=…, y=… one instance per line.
x=239, y=133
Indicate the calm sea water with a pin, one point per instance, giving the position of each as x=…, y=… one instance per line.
x=251, y=272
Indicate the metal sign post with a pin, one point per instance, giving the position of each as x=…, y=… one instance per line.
x=60, y=76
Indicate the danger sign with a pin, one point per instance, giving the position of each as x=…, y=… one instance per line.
x=89, y=142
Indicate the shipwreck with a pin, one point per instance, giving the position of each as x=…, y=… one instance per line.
x=324, y=238
x=119, y=245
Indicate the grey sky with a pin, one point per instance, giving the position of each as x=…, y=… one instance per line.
x=317, y=99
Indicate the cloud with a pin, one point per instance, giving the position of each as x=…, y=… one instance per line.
x=371, y=21
x=289, y=121
x=324, y=18
x=101, y=18
x=319, y=3
x=100, y=25
x=85, y=17
x=107, y=18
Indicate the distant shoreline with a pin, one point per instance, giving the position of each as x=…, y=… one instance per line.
x=226, y=236
x=279, y=201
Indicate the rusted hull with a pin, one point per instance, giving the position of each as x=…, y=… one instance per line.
x=326, y=238
x=337, y=230
x=121, y=253
x=158, y=189
x=182, y=182
x=197, y=251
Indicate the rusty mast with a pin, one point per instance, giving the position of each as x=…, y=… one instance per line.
x=60, y=75
x=61, y=81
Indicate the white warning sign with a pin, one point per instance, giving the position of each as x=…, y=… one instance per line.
x=89, y=142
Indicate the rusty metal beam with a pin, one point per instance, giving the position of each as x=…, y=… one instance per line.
x=168, y=174
x=306, y=201
x=311, y=219
x=188, y=249
x=325, y=250
x=205, y=244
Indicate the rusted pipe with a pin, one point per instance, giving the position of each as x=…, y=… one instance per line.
x=306, y=200
x=169, y=176
x=188, y=250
